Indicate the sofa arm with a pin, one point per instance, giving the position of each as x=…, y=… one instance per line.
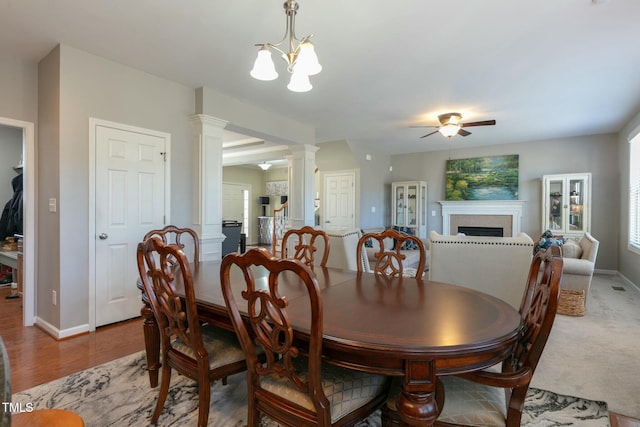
x=580, y=267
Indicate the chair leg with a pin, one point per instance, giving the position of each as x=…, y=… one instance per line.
x=204, y=398
x=164, y=391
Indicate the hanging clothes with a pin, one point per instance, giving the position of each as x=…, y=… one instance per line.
x=12, y=215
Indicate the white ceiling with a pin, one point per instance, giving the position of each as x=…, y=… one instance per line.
x=542, y=69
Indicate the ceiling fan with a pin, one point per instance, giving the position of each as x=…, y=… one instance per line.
x=450, y=125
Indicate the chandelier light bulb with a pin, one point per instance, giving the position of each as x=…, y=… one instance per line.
x=299, y=82
x=264, y=166
x=307, y=60
x=263, y=68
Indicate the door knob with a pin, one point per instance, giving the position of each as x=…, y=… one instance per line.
x=103, y=236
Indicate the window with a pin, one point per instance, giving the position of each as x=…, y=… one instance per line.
x=634, y=194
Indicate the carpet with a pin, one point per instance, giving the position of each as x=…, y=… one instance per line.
x=118, y=394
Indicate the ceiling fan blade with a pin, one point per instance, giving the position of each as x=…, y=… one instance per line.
x=435, y=131
x=463, y=132
x=482, y=123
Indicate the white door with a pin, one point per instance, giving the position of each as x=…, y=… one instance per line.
x=130, y=201
x=340, y=196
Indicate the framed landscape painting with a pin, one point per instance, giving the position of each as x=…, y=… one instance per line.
x=482, y=178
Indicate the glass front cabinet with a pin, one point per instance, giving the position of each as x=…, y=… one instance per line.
x=409, y=208
x=566, y=204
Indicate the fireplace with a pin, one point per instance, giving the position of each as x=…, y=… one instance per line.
x=481, y=231
x=503, y=214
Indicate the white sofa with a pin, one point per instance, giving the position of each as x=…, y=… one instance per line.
x=579, y=261
x=498, y=266
x=343, y=245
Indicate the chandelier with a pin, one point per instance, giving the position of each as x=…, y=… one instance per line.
x=301, y=58
x=264, y=166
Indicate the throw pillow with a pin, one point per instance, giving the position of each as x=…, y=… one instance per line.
x=571, y=249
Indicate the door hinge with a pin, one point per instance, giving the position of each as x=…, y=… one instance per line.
x=164, y=155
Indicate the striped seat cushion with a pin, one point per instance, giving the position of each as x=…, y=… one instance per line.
x=345, y=389
x=222, y=345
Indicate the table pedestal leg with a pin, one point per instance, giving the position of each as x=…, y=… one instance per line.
x=151, y=343
x=422, y=396
x=417, y=409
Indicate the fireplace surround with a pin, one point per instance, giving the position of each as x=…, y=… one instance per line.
x=506, y=214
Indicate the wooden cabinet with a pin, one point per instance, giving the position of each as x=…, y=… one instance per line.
x=566, y=204
x=409, y=206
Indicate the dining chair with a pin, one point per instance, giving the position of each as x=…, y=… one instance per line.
x=495, y=397
x=171, y=234
x=388, y=256
x=304, y=245
x=293, y=386
x=201, y=352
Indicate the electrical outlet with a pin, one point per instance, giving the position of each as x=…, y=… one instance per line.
x=54, y=297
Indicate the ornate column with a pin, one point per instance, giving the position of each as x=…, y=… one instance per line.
x=302, y=165
x=207, y=198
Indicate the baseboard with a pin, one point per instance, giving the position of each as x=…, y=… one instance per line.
x=609, y=272
x=629, y=282
x=58, y=333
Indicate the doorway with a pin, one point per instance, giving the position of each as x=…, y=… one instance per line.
x=129, y=197
x=236, y=206
x=29, y=216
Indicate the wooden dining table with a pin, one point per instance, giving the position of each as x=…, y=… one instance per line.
x=406, y=327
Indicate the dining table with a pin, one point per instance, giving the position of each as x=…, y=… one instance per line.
x=411, y=328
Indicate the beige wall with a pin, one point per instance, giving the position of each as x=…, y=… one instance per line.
x=19, y=89
x=11, y=149
x=595, y=153
x=628, y=261
x=76, y=86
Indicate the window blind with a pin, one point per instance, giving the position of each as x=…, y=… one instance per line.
x=634, y=193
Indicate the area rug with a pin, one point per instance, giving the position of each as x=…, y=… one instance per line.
x=118, y=394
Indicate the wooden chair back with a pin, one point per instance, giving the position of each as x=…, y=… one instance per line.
x=538, y=311
x=268, y=327
x=176, y=236
x=538, y=308
x=159, y=265
x=303, y=242
x=389, y=261
x=185, y=344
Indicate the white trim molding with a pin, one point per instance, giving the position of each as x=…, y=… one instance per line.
x=511, y=208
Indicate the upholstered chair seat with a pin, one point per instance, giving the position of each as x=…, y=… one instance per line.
x=473, y=404
x=346, y=389
x=221, y=342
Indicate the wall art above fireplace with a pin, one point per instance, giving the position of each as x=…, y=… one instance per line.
x=482, y=178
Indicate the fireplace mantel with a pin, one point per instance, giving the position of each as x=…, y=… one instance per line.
x=512, y=208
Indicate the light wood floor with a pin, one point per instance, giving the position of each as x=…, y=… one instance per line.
x=36, y=358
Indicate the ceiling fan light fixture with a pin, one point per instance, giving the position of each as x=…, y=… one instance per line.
x=449, y=130
x=264, y=166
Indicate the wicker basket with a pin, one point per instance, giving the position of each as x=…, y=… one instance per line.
x=571, y=302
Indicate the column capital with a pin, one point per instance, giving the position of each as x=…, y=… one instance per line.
x=203, y=119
